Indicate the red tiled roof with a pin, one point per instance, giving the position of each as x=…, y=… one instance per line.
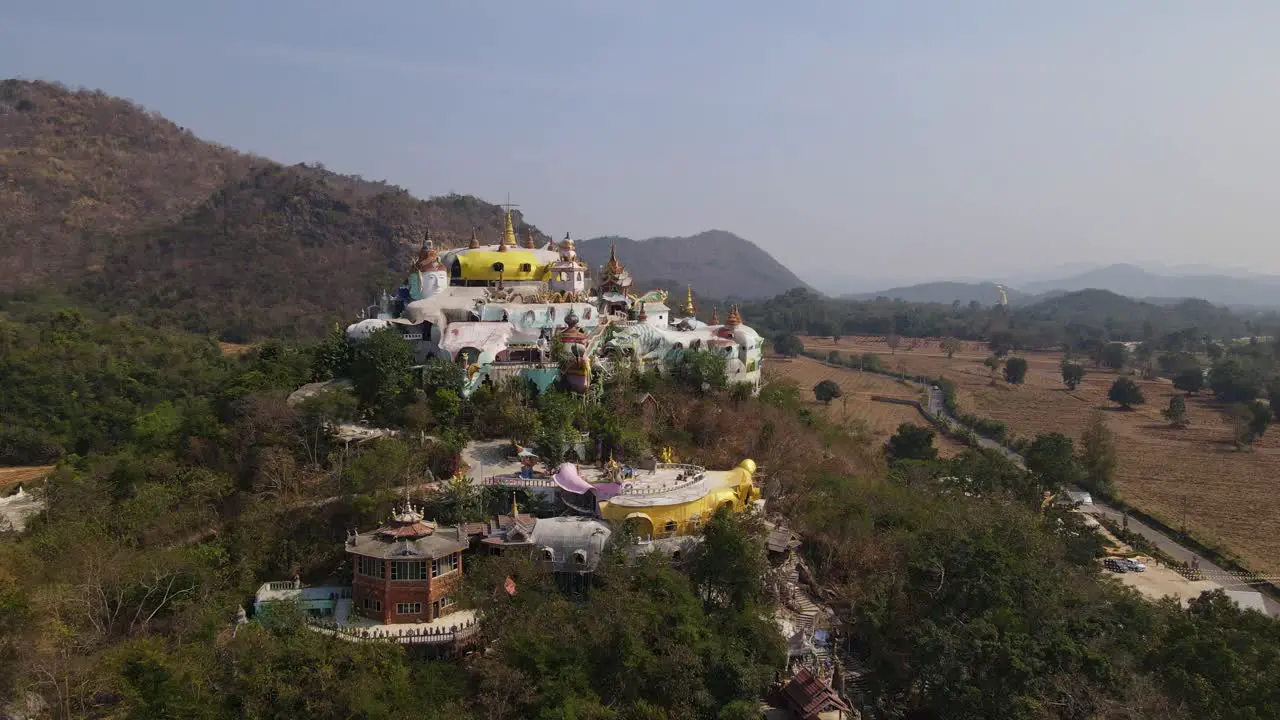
x=809, y=695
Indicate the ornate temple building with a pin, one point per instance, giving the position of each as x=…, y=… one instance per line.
x=408, y=570
x=499, y=309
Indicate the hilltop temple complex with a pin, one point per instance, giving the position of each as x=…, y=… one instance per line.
x=501, y=310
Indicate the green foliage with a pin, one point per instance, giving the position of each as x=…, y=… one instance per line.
x=1015, y=370
x=1190, y=380
x=1236, y=379
x=1250, y=421
x=1126, y=393
x=380, y=373
x=912, y=442
x=700, y=370
x=333, y=355
x=788, y=344
x=1098, y=454
x=1072, y=374
x=1052, y=458
x=1114, y=355
x=1176, y=413
x=827, y=390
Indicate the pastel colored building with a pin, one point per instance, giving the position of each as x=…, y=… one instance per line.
x=498, y=310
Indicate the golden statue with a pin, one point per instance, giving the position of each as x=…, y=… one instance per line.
x=668, y=456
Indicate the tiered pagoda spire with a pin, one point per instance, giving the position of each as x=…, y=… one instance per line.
x=735, y=319
x=475, y=238
x=689, y=309
x=508, y=233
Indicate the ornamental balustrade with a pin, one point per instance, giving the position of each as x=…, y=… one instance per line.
x=403, y=636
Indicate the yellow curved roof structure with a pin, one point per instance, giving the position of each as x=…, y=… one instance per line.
x=665, y=508
x=516, y=265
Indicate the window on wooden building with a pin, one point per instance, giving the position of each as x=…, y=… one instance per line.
x=444, y=565
x=371, y=567
x=409, y=608
x=409, y=570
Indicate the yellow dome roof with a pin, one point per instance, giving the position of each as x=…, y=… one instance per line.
x=516, y=264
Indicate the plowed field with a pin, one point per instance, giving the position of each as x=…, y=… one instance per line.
x=1196, y=475
x=855, y=407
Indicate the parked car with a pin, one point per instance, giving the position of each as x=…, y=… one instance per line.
x=1133, y=565
x=1115, y=565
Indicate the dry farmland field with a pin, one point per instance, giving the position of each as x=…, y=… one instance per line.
x=1227, y=497
x=10, y=476
x=855, y=407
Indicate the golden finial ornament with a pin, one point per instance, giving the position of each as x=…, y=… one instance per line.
x=689, y=310
x=475, y=239
x=735, y=319
x=528, y=241
x=508, y=232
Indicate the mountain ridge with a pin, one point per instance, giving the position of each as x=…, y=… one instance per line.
x=716, y=263
x=119, y=207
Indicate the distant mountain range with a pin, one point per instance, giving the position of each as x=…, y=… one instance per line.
x=716, y=263
x=1239, y=291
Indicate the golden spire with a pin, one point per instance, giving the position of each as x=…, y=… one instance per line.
x=734, y=318
x=475, y=239
x=528, y=241
x=689, y=310
x=613, y=265
x=715, y=316
x=515, y=509
x=508, y=233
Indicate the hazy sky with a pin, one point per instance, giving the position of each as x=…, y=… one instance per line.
x=891, y=138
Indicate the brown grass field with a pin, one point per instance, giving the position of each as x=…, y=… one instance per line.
x=1227, y=497
x=234, y=349
x=10, y=476
x=855, y=408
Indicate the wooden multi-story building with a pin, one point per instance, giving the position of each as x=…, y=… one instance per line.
x=407, y=571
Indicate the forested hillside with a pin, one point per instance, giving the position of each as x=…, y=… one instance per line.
x=1074, y=318
x=193, y=481
x=106, y=200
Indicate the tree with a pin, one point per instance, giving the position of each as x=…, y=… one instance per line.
x=833, y=357
x=1250, y=421
x=1273, y=396
x=1015, y=370
x=1098, y=454
x=1214, y=351
x=912, y=442
x=950, y=346
x=835, y=336
x=332, y=356
x=1190, y=380
x=1234, y=379
x=1114, y=355
x=1052, y=458
x=730, y=564
x=1072, y=374
x=826, y=391
x=893, y=341
x=1125, y=392
x=380, y=373
x=993, y=364
x=1176, y=413
x=700, y=370
x=788, y=344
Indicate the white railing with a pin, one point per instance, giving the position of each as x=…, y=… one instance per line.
x=388, y=634
x=517, y=481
